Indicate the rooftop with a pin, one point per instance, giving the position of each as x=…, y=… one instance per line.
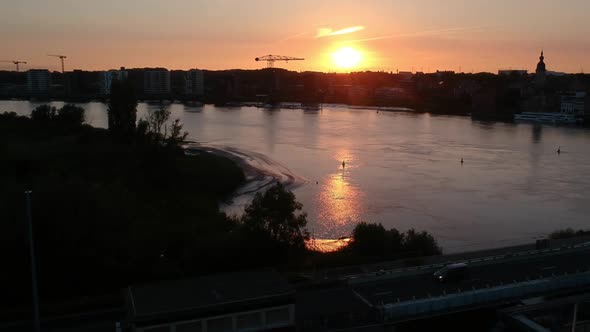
x=197, y=294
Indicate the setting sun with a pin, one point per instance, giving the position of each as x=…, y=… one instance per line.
x=346, y=57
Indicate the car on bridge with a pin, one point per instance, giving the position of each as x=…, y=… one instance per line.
x=452, y=273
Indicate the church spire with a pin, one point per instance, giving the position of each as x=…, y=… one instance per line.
x=541, y=65
x=541, y=72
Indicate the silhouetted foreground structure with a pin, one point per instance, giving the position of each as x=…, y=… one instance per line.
x=241, y=301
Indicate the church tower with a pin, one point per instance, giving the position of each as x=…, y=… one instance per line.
x=541, y=72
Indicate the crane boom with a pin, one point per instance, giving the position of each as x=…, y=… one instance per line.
x=270, y=59
x=16, y=62
x=61, y=57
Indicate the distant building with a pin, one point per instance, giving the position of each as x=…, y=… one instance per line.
x=177, y=83
x=107, y=78
x=358, y=94
x=81, y=84
x=194, y=82
x=513, y=72
x=406, y=76
x=441, y=73
x=389, y=94
x=156, y=82
x=240, y=301
x=574, y=103
x=541, y=72
x=38, y=82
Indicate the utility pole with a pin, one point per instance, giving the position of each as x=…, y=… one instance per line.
x=575, y=318
x=33, y=264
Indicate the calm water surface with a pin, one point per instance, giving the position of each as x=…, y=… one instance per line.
x=403, y=169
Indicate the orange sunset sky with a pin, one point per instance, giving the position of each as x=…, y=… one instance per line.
x=390, y=35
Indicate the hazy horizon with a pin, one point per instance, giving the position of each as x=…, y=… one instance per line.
x=425, y=35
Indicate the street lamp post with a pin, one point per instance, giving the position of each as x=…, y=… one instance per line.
x=33, y=264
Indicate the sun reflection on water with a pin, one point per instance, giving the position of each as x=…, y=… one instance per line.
x=340, y=200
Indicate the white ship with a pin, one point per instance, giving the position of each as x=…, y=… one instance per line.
x=546, y=117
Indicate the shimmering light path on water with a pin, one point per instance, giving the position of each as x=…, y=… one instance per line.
x=403, y=169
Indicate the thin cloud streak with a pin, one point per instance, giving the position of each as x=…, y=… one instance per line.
x=421, y=33
x=301, y=34
x=328, y=32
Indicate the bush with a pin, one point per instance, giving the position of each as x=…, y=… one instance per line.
x=68, y=114
x=44, y=113
x=420, y=243
x=567, y=233
x=71, y=114
x=375, y=240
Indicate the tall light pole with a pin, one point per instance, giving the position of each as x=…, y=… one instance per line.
x=33, y=264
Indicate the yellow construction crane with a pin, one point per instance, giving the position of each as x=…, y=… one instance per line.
x=62, y=57
x=270, y=59
x=16, y=62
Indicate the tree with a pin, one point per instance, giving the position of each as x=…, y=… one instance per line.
x=277, y=213
x=157, y=120
x=71, y=114
x=154, y=129
x=375, y=240
x=176, y=136
x=122, y=110
x=68, y=114
x=44, y=113
x=420, y=243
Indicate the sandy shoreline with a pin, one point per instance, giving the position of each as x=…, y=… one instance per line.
x=261, y=172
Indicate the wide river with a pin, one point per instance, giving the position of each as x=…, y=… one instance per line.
x=403, y=169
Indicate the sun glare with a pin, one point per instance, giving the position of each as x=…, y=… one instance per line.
x=346, y=57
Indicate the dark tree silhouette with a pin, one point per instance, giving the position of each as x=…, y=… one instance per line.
x=122, y=109
x=44, y=113
x=153, y=129
x=420, y=243
x=71, y=114
x=375, y=240
x=277, y=213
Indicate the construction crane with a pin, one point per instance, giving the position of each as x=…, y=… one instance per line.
x=270, y=59
x=62, y=57
x=16, y=62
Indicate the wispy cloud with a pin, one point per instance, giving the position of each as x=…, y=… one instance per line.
x=422, y=33
x=301, y=34
x=329, y=32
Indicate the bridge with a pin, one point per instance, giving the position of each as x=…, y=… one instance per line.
x=402, y=295
x=412, y=293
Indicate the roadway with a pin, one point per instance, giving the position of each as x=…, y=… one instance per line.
x=404, y=288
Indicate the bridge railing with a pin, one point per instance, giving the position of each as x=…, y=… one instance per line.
x=483, y=296
x=415, y=270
